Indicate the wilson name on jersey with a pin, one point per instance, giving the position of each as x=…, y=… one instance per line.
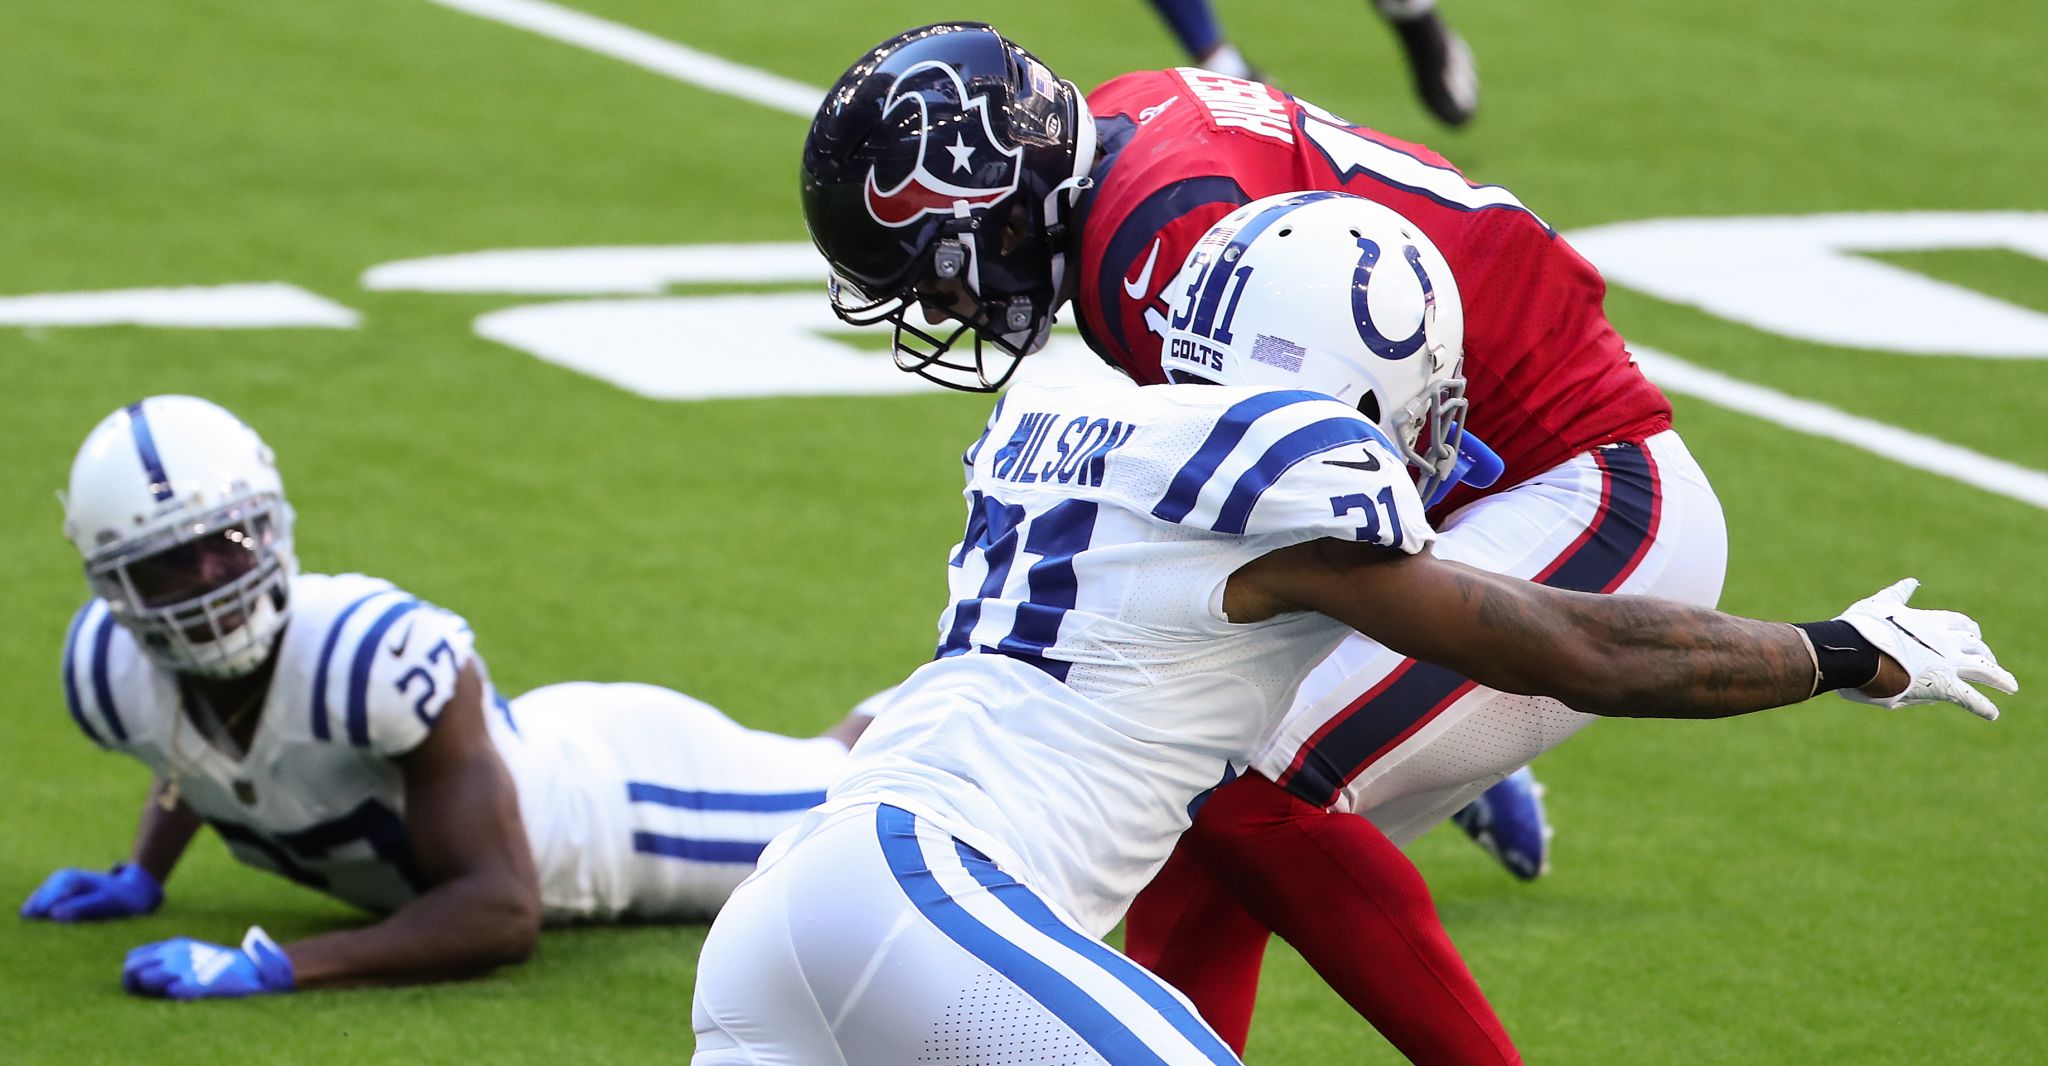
x=1086, y=643
x=363, y=670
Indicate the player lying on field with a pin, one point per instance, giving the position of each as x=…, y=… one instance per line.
x=955, y=177
x=1145, y=577
x=343, y=733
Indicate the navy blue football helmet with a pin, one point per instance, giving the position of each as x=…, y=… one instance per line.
x=941, y=173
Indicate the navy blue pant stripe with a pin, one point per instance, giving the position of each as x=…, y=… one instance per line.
x=674, y=847
x=1627, y=521
x=1025, y=904
x=700, y=800
x=1091, y=1021
x=1597, y=562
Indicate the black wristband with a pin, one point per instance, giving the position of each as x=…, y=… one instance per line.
x=1846, y=659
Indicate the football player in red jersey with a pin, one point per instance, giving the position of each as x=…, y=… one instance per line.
x=977, y=187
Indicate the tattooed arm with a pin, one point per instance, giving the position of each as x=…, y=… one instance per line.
x=1629, y=656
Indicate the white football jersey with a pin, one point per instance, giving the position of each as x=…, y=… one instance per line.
x=1088, y=690
x=611, y=778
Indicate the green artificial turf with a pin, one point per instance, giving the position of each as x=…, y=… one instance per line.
x=1830, y=883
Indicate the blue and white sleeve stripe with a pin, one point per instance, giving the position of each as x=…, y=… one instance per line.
x=1286, y=453
x=359, y=670
x=323, y=728
x=102, y=687
x=71, y=670
x=1249, y=449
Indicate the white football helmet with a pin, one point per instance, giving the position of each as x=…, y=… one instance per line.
x=178, y=509
x=1335, y=294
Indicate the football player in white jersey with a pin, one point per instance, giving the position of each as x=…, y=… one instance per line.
x=344, y=733
x=1146, y=576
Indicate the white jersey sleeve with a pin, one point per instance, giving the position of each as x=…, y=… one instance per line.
x=1298, y=462
x=89, y=692
x=387, y=670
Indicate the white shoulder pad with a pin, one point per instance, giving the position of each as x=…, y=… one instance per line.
x=387, y=667
x=91, y=647
x=1297, y=462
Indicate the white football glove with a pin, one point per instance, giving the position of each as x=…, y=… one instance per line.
x=1942, y=652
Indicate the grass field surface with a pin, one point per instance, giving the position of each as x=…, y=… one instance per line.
x=1829, y=883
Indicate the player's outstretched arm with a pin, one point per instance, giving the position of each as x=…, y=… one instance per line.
x=483, y=909
x=462, y=814
x=131, y=888
x=1629, y=656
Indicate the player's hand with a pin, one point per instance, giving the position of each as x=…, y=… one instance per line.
x=1940, y=653
x=72, y=895
x=183, y=968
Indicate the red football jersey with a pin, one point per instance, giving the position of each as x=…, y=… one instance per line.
x=1547, y=376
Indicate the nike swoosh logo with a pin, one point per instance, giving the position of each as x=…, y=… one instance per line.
x=1139, y=289
x=1909, y=633
x=1370, y=463
x=398, y=648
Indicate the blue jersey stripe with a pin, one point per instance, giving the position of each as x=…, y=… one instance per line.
x=71, y=675
x=1285, y=454
x=320, y=727
x=1186, y=488
x=700, y=800
x=1026, y=905
x=359, y=671
x=145, y=449
x=738, y=851
x=1053, y=990
x=101, y=689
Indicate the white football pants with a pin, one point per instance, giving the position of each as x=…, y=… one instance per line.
x=1407, y=743
x=877, y=938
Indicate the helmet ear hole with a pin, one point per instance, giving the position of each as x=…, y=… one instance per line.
x=1370, y=406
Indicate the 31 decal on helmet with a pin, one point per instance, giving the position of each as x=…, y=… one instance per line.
x=1339, y=295
x=179, y=512
x=939, y=176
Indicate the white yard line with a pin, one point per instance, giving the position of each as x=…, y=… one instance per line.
x=648, y=52
x=1905, y=447
x=706, y=71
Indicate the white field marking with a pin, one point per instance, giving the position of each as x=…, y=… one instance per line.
x=1818, y=419
x=601, y=271
x=714, y=347
x=648, y=52
x=1806, y=276
x=264, y=305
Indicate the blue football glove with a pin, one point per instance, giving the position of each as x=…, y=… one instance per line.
x=183, y=968
x=88, y=896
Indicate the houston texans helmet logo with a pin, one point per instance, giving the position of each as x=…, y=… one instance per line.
x=958, y=159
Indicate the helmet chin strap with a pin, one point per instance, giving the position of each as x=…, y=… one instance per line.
x=1061, y=201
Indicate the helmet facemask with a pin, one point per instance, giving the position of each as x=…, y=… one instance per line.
x=207, y=596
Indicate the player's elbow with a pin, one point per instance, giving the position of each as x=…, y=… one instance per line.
x=508, y=926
